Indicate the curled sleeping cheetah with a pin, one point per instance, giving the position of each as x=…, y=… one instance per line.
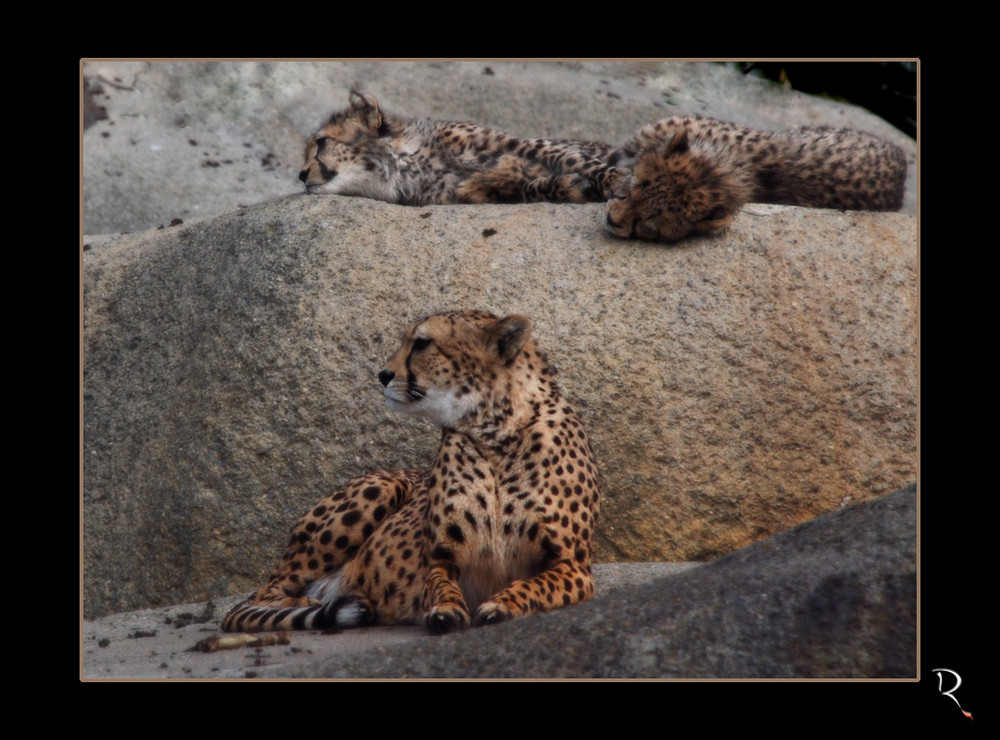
x=367, y=152
x=500, y=526
x=691, y=175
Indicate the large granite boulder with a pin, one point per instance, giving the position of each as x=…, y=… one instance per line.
x=732, y=387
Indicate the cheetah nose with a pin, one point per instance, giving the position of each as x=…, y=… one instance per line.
x=385, y=376
x=303, y=175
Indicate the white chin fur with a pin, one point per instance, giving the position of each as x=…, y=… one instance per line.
x=361, y=183
x=445, y=410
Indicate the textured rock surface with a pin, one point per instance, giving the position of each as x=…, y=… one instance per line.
x=732, y=387
x=833, y=598
x=190, y=139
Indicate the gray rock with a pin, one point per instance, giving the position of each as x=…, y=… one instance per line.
x=834, y=598
x=167, y=642
x=195, y=139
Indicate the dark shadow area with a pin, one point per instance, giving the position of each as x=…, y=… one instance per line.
x=888, y=89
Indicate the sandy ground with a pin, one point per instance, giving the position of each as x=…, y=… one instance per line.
x=166, y=642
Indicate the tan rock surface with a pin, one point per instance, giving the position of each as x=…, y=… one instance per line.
x=732, y=387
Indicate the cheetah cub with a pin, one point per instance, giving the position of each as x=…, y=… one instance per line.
x=500, y=526
x=691, y=175
x=365, y=151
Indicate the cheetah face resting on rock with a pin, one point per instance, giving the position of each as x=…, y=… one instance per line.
x=366, y=152
x=500, y=526
x=691, y=175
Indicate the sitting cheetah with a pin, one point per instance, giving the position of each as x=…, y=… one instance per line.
x=691, y=175
x=500, y=526
x=365, y=151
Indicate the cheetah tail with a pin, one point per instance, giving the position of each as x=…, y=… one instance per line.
x=343, y=612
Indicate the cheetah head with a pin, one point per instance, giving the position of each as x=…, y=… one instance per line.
x=670, y=194
x=447, y=366
x=349, y=155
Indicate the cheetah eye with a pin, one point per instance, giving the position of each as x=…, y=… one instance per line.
x=321, y=143
x=421, y=343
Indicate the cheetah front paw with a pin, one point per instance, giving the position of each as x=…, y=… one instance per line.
x=446, y=618
x=572, y=188
x=617, y=180
x=492, y=612
x=584, y=190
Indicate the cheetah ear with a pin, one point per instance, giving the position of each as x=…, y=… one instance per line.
x=678, y=143
x=508, y=336
x=365, y=107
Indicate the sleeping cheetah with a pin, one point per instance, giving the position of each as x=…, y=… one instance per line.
x=691, y=175
x=365, y=151
x=500, y=526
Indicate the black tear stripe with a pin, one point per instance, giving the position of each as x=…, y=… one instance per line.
x=326, y=172
x=411, y=378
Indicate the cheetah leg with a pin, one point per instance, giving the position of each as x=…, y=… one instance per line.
x=503, y=181
x=389, y=569
x=608, y=180
x=595, y=182
x=583, y=165
x=511, y=180
x=322, y=542
x=563, y=584
x=444, y=606
x=332, y=533
x=572, y=188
